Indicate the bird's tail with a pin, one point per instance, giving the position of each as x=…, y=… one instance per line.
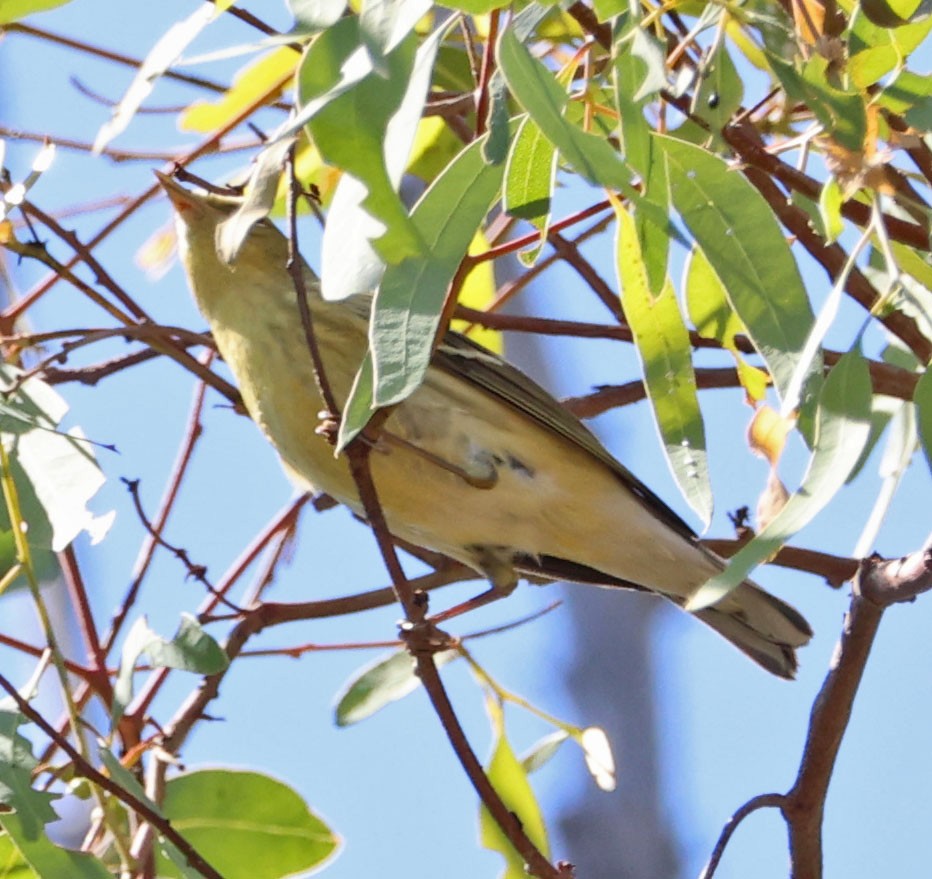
x=761, y=626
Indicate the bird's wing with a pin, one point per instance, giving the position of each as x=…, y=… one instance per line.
x=460, y=356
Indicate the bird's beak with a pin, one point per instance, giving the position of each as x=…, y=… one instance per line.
x=185, y=203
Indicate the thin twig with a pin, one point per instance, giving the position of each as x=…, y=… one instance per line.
x=84, y=769
x=761, y=801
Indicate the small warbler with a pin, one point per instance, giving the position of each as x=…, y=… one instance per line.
x=480, y=463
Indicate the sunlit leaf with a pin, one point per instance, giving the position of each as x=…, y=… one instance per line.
x=478, y=291
x=842, y=426
x=530, y=175
x=665, y=352
x=13, y=10
x=599, y=758
x=246, y=825
x=714, y=318
x=55, y=472
x=259, y=82
x=509, y=778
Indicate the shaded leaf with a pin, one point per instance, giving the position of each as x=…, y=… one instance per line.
x=381, y=682
x=536, y=89
x=406, y=311
x=261, y=192
x=739, y=236
x=191, y=649
x=843, y=114
x=543, y=751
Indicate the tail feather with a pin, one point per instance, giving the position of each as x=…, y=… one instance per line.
x=762, y=626
x=759, y=624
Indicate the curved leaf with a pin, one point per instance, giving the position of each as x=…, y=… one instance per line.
x=739, y=235
x=842, y=427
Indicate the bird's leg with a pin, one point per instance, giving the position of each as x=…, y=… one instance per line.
x=482, y=475
x=495, y=562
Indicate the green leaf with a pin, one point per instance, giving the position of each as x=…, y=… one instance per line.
x=910, y=95
x=13, y=10
x=530, y=175
x=651, y=54
x=890, y=13
x=721, y=90
x=629, y=73
x=606, y=10
x=350, y=130
x=714, y=318
x=509, y=779
x=12, y=864
x=536, y=89
x=922, y=397
x=247, y=825
x=475, y=7
x=191, y=649
x=27, y=810
x=349, y=262
x=739, y=235
x=652, y=238
x=842, y=427
x=665, y=353
x=379, y=683
x=124, y=778
x=406, y=310
x=32, y=808
x=48, y=860
x=842, y=113
x=830, y=202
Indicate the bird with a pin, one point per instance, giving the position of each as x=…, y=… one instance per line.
x=480, y=463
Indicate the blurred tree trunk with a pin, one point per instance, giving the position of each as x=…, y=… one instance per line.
x=624, y=834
